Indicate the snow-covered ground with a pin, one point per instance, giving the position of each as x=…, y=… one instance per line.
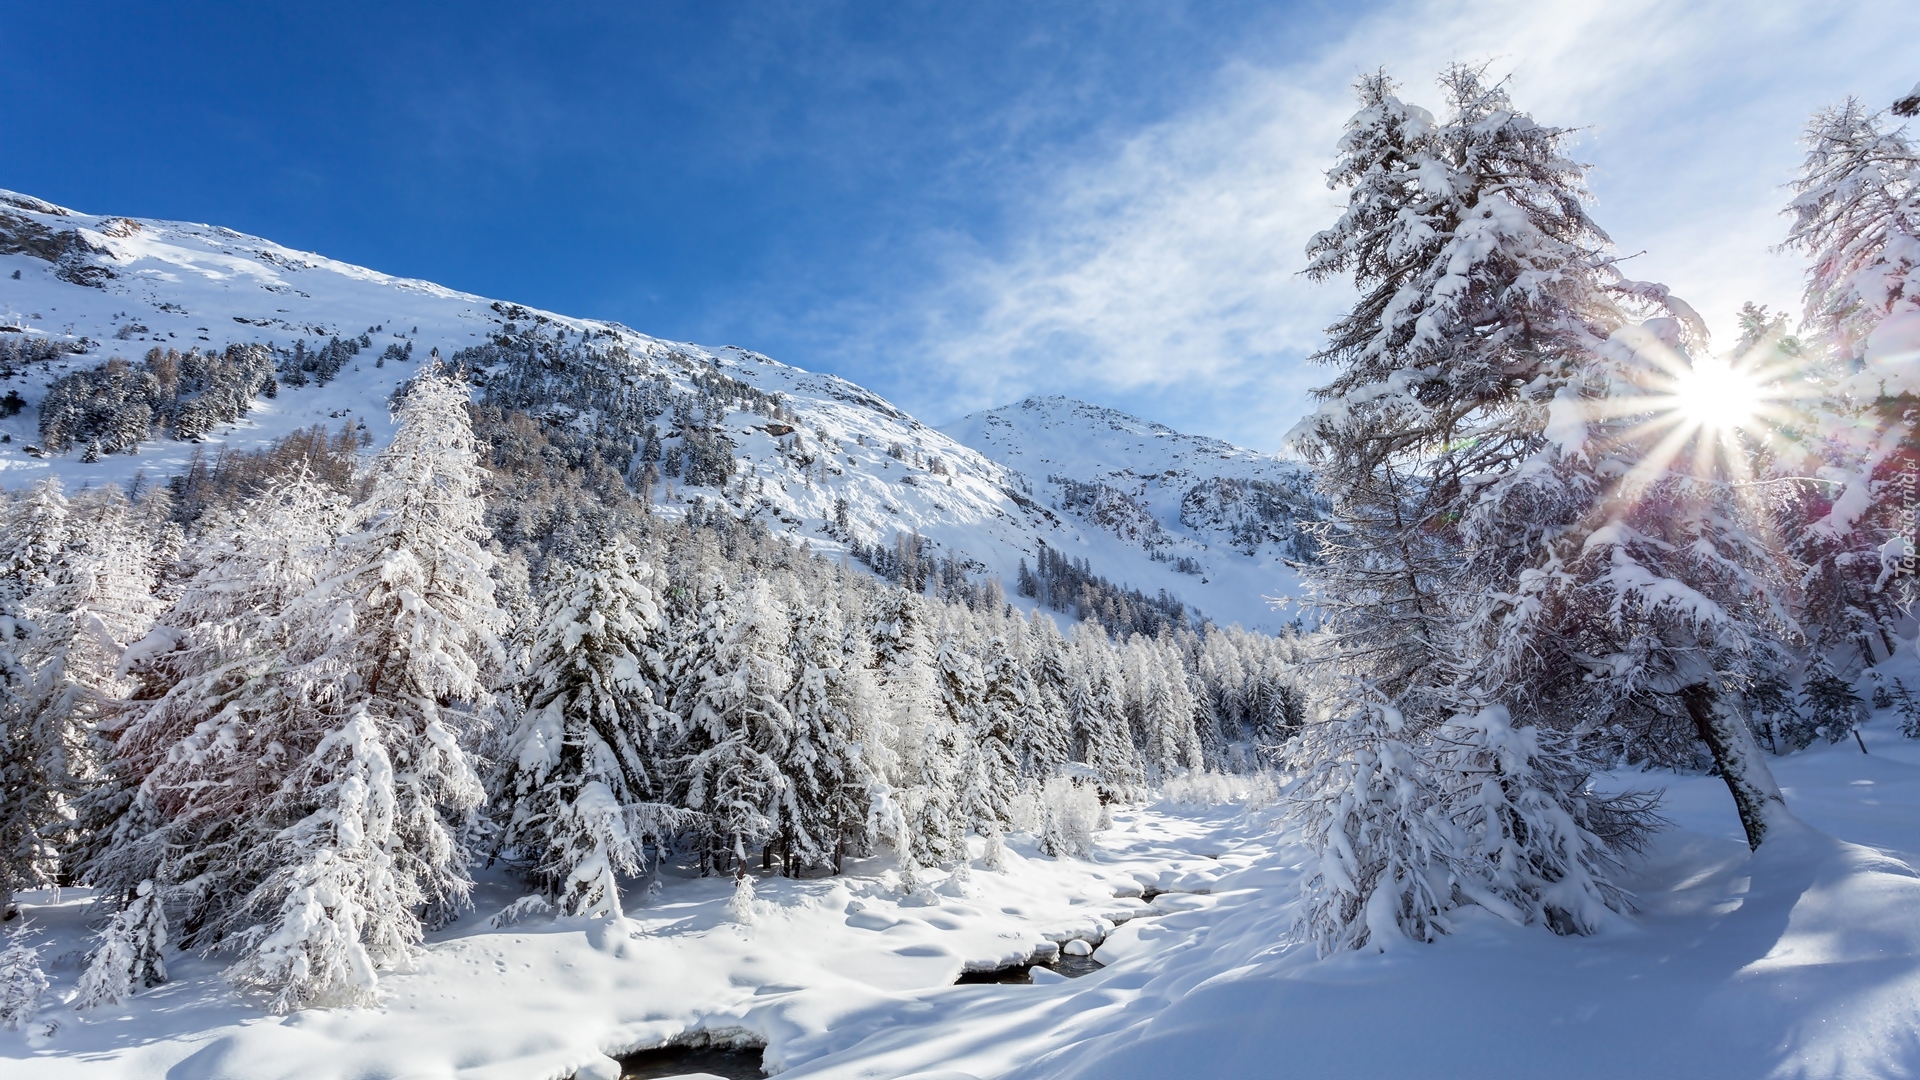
x=1802, y=961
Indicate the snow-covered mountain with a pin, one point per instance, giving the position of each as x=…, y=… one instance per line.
x=813, y=455
x=1206, y=508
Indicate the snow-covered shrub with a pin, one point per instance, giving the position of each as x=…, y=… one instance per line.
x=1203, y=787
x=1025, y=810
x=1369, y=805
x=1829, y=708
x=1070, y=815
x=22, y=980
x=995, y=856
x=1908, y=708
x=960, y=881
x=741, y=907
x=129, y=953
x=1542, y=846
x=529, y=906
x=1411, y=825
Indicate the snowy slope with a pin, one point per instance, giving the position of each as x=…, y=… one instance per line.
x=103, y=287
x=1224, y=517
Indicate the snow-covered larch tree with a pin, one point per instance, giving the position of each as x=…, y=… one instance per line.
x=191, y=763
x=405, y=608
x=1484, y=286
x=30, y=808
x=382, y=689
x=94, y=599
x=1856, y=217
x=1649, y=596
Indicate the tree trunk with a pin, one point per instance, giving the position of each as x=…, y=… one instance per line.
x=1755, y=794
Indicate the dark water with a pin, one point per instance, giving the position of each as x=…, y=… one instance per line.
x=1022, y=974
x=667, y=1061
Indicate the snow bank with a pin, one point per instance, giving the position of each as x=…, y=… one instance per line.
x=1802, y=960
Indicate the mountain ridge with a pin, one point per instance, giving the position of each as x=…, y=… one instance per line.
x=815, y=455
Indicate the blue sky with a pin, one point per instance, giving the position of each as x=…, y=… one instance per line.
x=955, y=204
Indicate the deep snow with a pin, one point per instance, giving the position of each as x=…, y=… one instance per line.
x=1803, y=960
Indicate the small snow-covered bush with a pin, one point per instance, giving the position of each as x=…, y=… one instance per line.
x=1024, y=811
x=1908, y=707
x=740, y=908
x=995, y=856
x=1070, y=815
x=1200, y=787
x=22, y=980
x=523, y=908
x=1829, y=708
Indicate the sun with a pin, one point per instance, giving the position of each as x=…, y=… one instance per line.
x=1718, y=397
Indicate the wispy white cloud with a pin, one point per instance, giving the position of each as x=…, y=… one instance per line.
x=1164, y=275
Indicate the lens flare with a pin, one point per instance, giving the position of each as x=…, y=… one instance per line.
x=1718, y=397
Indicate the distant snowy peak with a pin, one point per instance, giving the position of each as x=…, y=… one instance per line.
x=1085, y=441
x=1173, y=494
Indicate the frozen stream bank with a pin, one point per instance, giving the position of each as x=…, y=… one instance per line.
x=549, y=998
x=1801, y=961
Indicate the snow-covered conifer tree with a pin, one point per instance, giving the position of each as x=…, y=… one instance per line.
x=93, y=600
x=22, y=980
x=974, y=691
x=1856, y=215
x=30, y=807
x=34, y=534
x=1172, y=743
x=577, y=785
x=129, y=954
x=993, y=771
x=1043, y=742
x=381, y=688
x=1829, y=707
x=926, y=741
x=835, y=760
x=405, y=612
x=738, y=729
x=195, y=767
x=1096, y=710
x=1646, y=597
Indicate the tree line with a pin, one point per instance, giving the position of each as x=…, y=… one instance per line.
x=284, y=726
